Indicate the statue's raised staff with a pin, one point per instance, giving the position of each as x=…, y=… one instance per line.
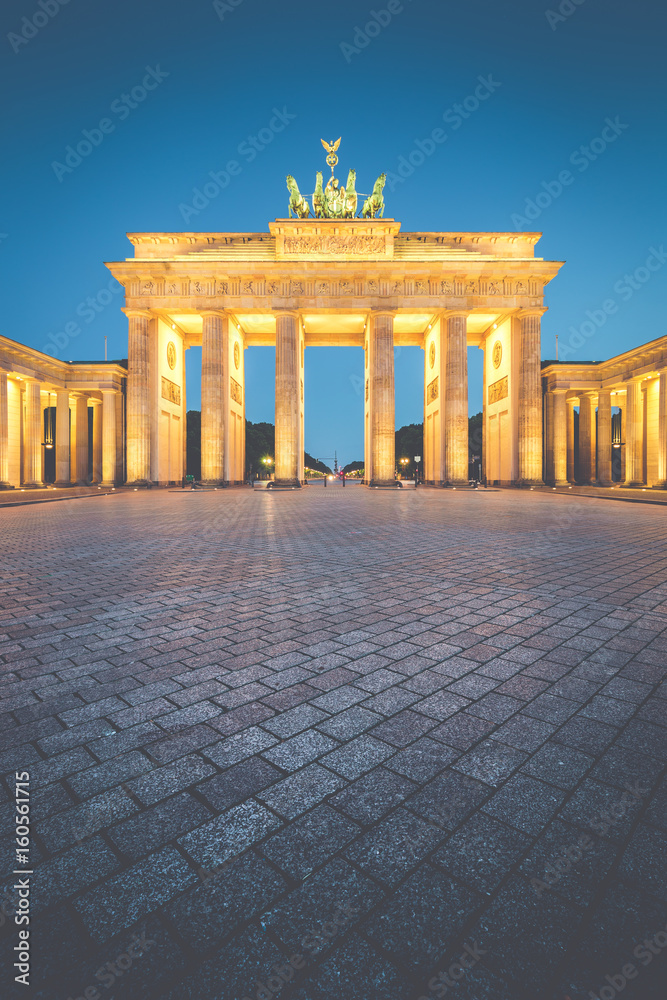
x=298, y=206
x=374, y=206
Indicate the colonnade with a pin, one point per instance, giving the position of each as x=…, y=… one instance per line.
x=642, y=401
x=23, y=403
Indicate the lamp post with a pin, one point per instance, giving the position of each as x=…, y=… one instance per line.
x=418, y=459
x=403, y=463
x=267, y=462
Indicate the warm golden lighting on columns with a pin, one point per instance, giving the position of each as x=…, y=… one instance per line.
x=288, y=411
x=661, y=483
x=530, y=398
x=570, y=440
x=97, y=440
x=381, y=392
x=214, y=332
x=138, y=397
x=32, y=435
x=634, y=434
x=63, y=475
x=560, y=437
x=586, y=438
x=455, y=400
x=604, y=438
x=108, y=437
x=81, y=456
x=4, y=433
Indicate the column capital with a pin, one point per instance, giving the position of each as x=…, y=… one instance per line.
x=287, y=312
x=134, y=313
x=558, y=390
x=531, y=311
x=376, y=311
x=222, y=313
x=453, y=313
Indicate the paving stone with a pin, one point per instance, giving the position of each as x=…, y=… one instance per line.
x=356, y=972
x=482, y=852
x=423, y=760
x=155, y=827
x=238, y=783
x=70, y=872
x=523, y=732
x=448, y=799
x=298, y=793
x=349, y=723
x=300, y=750
x=240, y=746
x=98, y=779
x=213, y=910
x=558, y=765
x=308, y=842
x=229, y=834
x=491, y=762
x=566, y=863
x=394, y=846
x=294, y=721
x=525, y=803
x=403, y=728
x=115, y=905
x=161, y=782
x=82, y=821
x=462, y=731
x=371, y=797
x=605, y=811
x=358, y=756
x=422, y=919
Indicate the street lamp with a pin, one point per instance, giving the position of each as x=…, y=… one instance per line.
x=403, y=463
x=418, y=459
x=267, y=462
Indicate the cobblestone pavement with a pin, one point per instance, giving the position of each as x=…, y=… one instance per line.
x=337, y=745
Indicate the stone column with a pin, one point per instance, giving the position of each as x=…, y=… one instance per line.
x=382, y=403
x=108, y=437
x=4, y=433
x=570, y=441
x=661, y=483
x=560, y=437
x=586, y=439
x=97, y=440
x=63, y=475
x=81, y=457
x=212, y=398
x=138, y=397
x=288, y=401
x=455, y=401
x=32, y=436
x=634, y=434
x=604, y=438
x=530, y=399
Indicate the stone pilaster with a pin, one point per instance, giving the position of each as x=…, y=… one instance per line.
x=288, y=400
x=109, y=456
x=4, y=433
x=455, y=401
x=634, y=434
x=559, y=437
x=81, y=453
x=382, y=403
x=530, y=399
x=63, y=474
x=586, y=439
x=661, y=483
x=604, y=438
x=138, y=397
x=32, y=436
x=214, y=334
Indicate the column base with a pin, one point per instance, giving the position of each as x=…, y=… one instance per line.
x=63, y=483
x=146, y=483
x=33, y=486
x=213, y=482
x=560, y=482
x=604, y=482
x=638, y=485
x=6, y=486
x=384, y=484
x=107, y=485
x=529, y=483
x=455, y=482
x=287, y=484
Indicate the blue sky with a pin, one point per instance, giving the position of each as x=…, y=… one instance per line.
x=561, y=72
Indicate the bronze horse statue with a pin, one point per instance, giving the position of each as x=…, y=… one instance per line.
x=374, y=206
x=297, y=203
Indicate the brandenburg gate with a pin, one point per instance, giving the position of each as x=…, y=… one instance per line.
x=327, y=278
